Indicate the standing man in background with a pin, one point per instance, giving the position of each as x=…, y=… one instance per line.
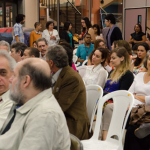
x=35, y=34
x=18, y=35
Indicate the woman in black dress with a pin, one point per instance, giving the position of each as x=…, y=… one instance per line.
x=138, y=36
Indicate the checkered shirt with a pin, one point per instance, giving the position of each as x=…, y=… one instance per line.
x=18, y=31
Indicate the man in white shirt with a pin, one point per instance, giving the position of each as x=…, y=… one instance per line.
x=38, y=122
x=42, y=46
x=7, y=64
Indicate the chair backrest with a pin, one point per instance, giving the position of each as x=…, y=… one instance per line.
x=122, y=100
x=75, y=51
x=84, y=62
x=93, y=94
x=74, y=59
x=75, y=143
x=81, y=70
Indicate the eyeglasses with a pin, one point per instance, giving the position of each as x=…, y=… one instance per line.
x=106, y=20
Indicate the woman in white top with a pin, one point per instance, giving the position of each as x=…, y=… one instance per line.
x=141, y=91
x=96, y=74
x=50, y=34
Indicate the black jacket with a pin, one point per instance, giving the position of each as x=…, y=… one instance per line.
x=65, y=36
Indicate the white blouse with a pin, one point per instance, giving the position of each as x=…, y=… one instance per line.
x=46, y=34
x=140, y=88
x=97, y=75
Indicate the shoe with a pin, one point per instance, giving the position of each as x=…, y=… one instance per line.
x=142, y=131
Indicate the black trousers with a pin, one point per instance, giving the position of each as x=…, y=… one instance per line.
x=134, y=143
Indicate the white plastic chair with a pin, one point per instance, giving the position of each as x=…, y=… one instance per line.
x=81, y=70
x=93, y=94
x=74, y=58
x=74, y=51
x=84, y=62
x=122, y=100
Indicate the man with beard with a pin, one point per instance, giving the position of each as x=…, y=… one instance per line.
x=38, y=122
x=84, y=50
x=7, y=64
x=18, y=35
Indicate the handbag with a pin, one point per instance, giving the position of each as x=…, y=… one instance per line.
x=140, y=114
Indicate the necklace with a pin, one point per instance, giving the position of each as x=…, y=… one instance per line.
x=50, y=33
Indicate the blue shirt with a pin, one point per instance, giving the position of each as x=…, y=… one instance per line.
x=83, y=51
x=18, y=31
x=70, y=36
x=111, y=87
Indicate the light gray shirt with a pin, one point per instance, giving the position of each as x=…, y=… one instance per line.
x=39, y=124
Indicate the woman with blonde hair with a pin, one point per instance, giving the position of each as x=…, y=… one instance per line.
x=119, y=78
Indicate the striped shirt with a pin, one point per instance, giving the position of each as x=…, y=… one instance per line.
x=18, y=31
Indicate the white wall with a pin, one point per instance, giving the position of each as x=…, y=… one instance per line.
x=31, y=12
x=136, y=3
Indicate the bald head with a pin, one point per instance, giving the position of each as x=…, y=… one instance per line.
x=38, y=70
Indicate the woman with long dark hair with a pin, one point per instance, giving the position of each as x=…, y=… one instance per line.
x=97, y=32
x=87, y=28
x=67, y=34
x=138, y=65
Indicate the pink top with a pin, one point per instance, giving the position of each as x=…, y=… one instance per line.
x=74, y=67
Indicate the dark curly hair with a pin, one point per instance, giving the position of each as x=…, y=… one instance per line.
x=111, y=17
x=48, y=23
x=98, y=29
x=19, y=18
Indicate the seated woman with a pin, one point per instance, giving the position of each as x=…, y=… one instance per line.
x=138, y=66
x=141, y=91
x=138, y=36
x=98, y=43
x=96, y=74
x=120, y=78
x=97, y=32
x=121, y=43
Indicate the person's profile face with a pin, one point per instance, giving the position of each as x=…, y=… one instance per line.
x=95, y=30
x=137, y=28
x=51, y=26
x=83, y=23
x=3, y=47
x=39, y=27
x=23, y=21
x=97, y=58
x=5, y=74
x=26, y=54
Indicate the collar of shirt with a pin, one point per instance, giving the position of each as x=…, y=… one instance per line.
x=34, y=101
x=43, y=57
x=89, y=46
x=37, y=32
x=5, y=96
x=56, y=75
x=96, y=68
